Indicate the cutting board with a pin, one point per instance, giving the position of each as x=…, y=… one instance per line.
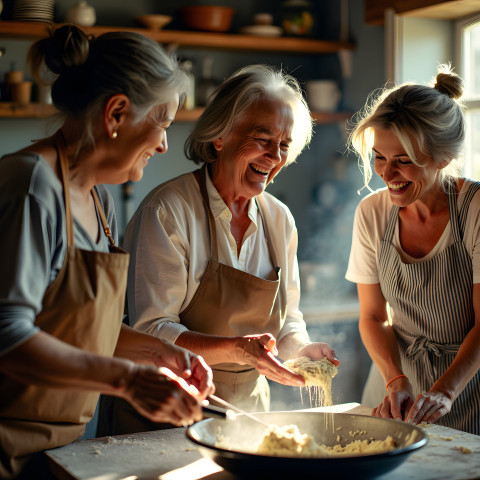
x=168, y=455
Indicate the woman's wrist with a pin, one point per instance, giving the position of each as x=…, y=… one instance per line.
x=394, y=379
x=123, y=371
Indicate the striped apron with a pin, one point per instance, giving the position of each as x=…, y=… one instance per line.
x=432, y=312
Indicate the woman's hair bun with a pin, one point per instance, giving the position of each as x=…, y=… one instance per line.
x=68, y=47
x=448, y=82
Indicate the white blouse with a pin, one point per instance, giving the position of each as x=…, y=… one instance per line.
x=169, y=242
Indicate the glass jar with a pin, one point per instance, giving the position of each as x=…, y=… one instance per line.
x=297, y=18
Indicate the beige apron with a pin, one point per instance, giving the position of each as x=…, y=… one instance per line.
x=82, y=307
x=230, y=302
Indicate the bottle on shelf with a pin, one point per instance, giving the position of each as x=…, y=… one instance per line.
x=206, y=85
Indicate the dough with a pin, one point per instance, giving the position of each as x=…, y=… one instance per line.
x=316, y=373
x=289, y=441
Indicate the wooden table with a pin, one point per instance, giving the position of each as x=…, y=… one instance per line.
x=169, y=455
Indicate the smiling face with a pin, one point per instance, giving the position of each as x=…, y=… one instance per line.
x=138, y=142
x=406, y=181
x=254, y=151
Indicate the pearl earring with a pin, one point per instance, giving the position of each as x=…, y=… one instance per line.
x=114, y=134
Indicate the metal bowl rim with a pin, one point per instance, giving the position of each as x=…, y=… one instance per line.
x=399, y=451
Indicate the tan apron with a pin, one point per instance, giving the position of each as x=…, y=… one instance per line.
x=230, y=303
x=82, y=307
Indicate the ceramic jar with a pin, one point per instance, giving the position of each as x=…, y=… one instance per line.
x=82, y=14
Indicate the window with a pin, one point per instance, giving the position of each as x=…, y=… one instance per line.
x=468, y=52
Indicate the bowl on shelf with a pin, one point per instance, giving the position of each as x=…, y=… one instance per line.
x=206, y=17
x=154, y=22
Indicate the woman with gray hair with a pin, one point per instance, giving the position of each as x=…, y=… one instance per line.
x=62, y=279
x=416, y=258
x=214, y=257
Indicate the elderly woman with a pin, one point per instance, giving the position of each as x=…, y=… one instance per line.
x=416, y=248
x=214, y=266
x=62, y=280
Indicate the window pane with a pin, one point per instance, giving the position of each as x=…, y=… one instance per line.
x=472, y=145
x=471, y=61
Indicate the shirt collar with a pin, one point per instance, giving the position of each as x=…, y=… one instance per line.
x=219, y=208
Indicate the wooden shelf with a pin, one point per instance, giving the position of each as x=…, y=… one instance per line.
x=44, y=110
x=32, y=110
x=218, y=41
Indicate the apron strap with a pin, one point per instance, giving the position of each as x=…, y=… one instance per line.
x=211, y=219
x=61, y=150
x=106, y=228
x=453, y=212
x=271, y=250
x=462, y=215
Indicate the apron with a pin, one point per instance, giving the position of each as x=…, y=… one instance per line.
x=82, y=307
x=230, y=303
x=432, y=312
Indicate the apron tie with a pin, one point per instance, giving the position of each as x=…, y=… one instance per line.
x=423, y=344
x=419, y=348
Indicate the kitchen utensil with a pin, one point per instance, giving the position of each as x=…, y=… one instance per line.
x=154, y=22
x=206, y=17
x=327, y=428
x=229, y=406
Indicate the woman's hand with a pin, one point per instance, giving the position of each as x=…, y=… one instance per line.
x=429, y=407
x=186, y=365
x=398, y=402
x=161, y=396
x=317, y=351
x=260, y=351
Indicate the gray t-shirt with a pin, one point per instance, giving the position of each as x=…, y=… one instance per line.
x=33, y=240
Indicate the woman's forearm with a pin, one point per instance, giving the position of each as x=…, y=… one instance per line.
x=214, y=349
x=381, y=343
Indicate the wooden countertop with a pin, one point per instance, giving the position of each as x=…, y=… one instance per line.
x=169, y=455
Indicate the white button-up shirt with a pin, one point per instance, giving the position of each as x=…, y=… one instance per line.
x=169, y=242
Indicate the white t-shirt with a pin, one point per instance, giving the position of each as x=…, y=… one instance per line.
x=369, y=226
x=169, y=243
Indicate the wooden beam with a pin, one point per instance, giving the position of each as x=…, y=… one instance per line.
x=374, y=10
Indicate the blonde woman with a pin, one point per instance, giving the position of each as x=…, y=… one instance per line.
x=416, y=250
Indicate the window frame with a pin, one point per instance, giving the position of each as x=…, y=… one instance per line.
x=471, y=105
